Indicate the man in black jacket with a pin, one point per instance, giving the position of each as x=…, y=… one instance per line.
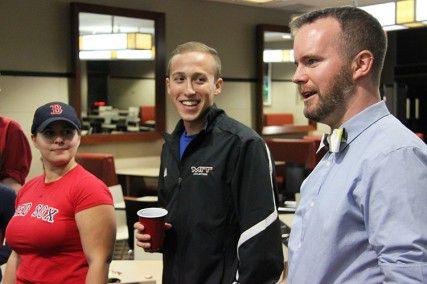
x=7, y=209
x=216, y=183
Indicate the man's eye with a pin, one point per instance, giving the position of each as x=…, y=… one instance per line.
x=178, y=79
x=311, y=61
x=201, y=80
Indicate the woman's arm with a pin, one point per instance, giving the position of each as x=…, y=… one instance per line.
x=11, y=267
x=97, y=228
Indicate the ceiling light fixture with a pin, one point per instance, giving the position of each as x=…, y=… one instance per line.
x=278, y=55
x=106, y=37
x=399, y=14
x=117, y=46
x=405, y=11
x=421, y=10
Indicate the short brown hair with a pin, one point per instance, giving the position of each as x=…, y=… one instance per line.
x=194, y=46
x=360, y=31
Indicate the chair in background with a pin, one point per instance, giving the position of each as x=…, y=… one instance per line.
x=121, y=248
x=316, y=139
x=147, y=114
x=99, y=164
x=102, y=166
x=278, y=119
x=420, y=135
x=294, y=158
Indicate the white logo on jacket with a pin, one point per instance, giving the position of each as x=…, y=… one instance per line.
x=201, y=171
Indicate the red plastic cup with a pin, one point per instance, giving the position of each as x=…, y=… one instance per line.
x=153, y=219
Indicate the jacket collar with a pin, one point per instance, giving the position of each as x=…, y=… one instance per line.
x=209, y=117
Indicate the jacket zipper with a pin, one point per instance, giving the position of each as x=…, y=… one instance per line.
x=179, y=250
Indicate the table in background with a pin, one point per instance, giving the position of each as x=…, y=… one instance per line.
x=137, y=271
x=141, y=172
x=145, y=169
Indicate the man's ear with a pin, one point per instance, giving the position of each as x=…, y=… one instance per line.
x=167, y=85
x=218, y=86
x=362, y=64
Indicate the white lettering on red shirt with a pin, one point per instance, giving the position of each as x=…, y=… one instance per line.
x=45, y=213
x=23, y=209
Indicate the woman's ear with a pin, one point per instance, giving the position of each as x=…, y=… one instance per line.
x=362, y=64
x=34, y=139
x=79, y=137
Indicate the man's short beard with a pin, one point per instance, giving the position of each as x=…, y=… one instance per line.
x=334, y=98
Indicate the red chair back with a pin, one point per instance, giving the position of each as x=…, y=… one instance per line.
x=147, y=113
x=420, y=135
x=299, y=157
x=278, y=119
x=297, y=151
x=99, y=164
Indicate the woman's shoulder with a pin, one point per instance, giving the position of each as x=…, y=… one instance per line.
x=85, y=177
x=89, y=191
x=30, y=184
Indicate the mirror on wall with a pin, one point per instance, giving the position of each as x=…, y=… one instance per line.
x=118, y=57
x=279, y=105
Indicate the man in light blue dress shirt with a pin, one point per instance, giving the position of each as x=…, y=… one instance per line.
x=362, y=217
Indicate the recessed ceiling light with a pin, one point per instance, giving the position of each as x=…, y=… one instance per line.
x=394, y=28
x=258, y=1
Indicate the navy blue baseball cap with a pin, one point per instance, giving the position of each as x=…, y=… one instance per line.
x=54, y=111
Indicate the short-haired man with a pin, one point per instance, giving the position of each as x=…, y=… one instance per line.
x=362, y=215
x=216, y=182
x=15, y=154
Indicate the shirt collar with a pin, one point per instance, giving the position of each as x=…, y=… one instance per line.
x=360, y=122
x=364, y=119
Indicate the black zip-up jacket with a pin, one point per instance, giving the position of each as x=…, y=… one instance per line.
x=221, y=206
x=7, y=209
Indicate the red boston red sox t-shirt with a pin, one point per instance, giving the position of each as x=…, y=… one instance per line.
x=44, y=232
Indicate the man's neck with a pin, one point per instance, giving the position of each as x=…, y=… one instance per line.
x=362, y=99
x=192, y=128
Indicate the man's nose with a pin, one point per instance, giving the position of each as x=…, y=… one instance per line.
x=300, y=77
x=189, y=88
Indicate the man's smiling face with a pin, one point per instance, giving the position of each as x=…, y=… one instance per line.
x=192, y=87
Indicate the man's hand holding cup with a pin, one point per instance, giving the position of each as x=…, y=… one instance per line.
x=150, y=229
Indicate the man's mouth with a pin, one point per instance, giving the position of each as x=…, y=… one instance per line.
x=307, y=94
x=190, y=102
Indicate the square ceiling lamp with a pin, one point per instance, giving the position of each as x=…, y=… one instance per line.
x=411, y=13
x=421, y=11
x=116, y=46
x=405, y=11
x=399, y=14
x=278, y=55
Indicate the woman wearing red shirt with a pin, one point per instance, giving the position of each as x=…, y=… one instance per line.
x=63, y=229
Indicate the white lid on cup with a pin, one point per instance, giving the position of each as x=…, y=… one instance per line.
x=152, y=212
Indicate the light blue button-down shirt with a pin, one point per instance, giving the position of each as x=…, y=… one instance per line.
x=363, y=211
